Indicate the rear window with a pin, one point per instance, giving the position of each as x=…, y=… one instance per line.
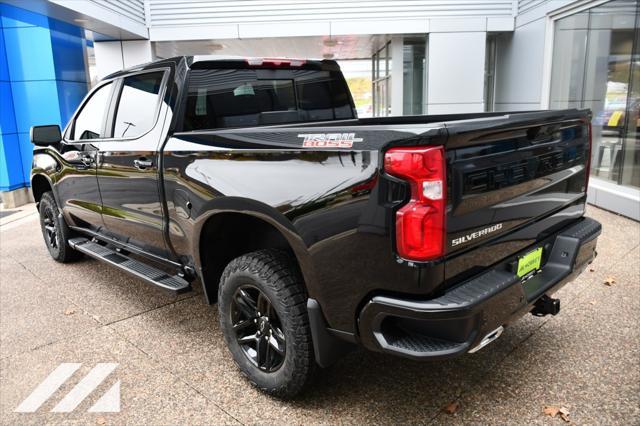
x=220, y=98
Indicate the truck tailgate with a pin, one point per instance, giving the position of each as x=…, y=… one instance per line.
x=507, y=173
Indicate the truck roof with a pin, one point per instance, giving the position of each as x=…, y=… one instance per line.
x=227, y=61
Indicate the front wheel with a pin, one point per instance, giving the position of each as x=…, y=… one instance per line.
x=263, y=316
x=55, y=231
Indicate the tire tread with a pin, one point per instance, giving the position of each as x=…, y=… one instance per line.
x=65, y=252
x=276, y=269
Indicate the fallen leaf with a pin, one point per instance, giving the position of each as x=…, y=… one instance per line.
x=69, y=311
x=101, y=421
x=551, y=410
x=452, y=407
x=610, y=281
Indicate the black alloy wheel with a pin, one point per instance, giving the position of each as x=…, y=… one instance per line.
x=55, y=231
x=49, y=228
x=262, y=309
x=258, y=328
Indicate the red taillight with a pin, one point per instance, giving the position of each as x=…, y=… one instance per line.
x=420, y=224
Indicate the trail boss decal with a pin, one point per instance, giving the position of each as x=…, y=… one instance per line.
x=329, y=140
x=474, y=235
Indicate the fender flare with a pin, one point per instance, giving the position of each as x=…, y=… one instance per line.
x=264, y=212
x=45, y=170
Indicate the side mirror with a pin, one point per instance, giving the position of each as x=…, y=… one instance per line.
x=45, y=135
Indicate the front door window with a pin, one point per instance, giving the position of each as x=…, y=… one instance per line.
x=89, y=121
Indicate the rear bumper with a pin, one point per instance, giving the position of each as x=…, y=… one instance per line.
x=457, y=321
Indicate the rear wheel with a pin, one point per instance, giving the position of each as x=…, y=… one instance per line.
x=263, y=316
x=55, y=231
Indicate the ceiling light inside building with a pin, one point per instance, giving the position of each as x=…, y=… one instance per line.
x=331, y=42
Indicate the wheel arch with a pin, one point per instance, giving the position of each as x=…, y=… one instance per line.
x=224, y=234
x=40, y=184
x=45, y=168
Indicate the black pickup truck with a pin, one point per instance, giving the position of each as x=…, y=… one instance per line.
x=313, y=230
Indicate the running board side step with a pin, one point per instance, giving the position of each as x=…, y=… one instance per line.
x=150, y=274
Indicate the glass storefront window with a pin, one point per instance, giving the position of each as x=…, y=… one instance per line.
x=596, y=65
x=413, y=87
x=382, y=82
x=358, y=74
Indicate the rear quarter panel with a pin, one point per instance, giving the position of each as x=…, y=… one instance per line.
x=325, y=201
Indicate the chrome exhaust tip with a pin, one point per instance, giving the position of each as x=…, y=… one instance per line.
x=488, y=339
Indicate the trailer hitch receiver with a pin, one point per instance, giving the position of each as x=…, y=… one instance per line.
x=545, y=306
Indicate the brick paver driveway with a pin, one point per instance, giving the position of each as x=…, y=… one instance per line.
x=173, y=366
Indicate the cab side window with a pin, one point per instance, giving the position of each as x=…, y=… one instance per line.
x=136, y=113
x=88, y=123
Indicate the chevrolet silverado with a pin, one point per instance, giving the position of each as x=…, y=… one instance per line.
x=315, y=231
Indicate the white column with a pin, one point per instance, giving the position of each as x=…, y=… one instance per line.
x=112, y=56
x=136, y=52
x=108, y=57
x=397, y=75
x=455, y=80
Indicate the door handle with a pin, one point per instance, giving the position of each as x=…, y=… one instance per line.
x=142, y=163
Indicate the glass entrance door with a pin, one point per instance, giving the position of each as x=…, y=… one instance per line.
x=630, y=162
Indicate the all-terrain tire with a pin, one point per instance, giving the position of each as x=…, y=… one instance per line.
x=55, y=230
x=275, y=274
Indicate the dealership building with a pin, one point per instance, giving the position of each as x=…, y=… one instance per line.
x=400, y=57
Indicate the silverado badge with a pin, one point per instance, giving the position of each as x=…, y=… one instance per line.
x=477, y=234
